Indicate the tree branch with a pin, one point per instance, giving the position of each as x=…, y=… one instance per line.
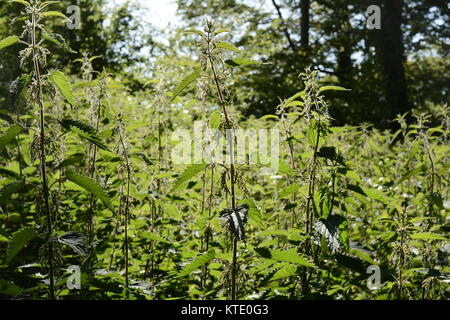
x=286, y=32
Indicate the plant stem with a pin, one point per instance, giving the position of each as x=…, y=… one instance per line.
x=42, y=153
x=230, y=137
x=127, y=205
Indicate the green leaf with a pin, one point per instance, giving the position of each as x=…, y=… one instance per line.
x=290, y=256
x=89, y=185
x=185, y=83
x=427, y=236
x=240, y=62
x=410, y=173
x=18, y=241
x=73, y=159
x=189, y=173
x=10, y=189
x=221, y=30
x=295, y=103
x=54, y=14
x=215, y=119
x=8, y=288
x=286, y=169
x=9, y=136
x=152, y=236
x=201, y=34
x=9, y=173
x=254, y=213
x=84, y=130
x=334, y=230
x=144, y=158
x=269, y=116
x=199, y=261
x=61, y=82
x=227, y=46
x=373, y=194
x=295, y=96
x=436, y=199
x=286, y=192
x=25, y=3
x=47, y=3
x=286, y=271
x=333, y=88
x=363, y=255
x=415, y=147
x=58, y=40
x=352, y=263
x=312, y=134
x=8, y=41
x=377, y=195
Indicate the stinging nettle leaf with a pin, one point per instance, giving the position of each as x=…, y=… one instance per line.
x=185, y=83
x=189, y=173
x=10, y=189
x=54, y=14
x=84, y=130
x=285, y=272
x=333, y=88
x=89, y=185
x=152, y=236
x=8, y=41
x=196, y=32
x=352, y=263
x=374, y=194
x=295, y=96
x=285, y=256
x=222, y=30
x=58, y=40
x=9, y=173
x=227, y=46
x=61, y=82
x=198, y=261
x=427, y=236
x=25, y=3
x=236, y=219
x=74, y=240
x=18, y=241
x=286, y=192
x=254, y=214
x=236, y=62
x=73, y=159
x=334, y=230
x=9, y=136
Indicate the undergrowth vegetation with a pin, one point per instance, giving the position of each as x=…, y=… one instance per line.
x=87, y=180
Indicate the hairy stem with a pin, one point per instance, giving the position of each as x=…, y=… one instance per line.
x=230, y=139
x=42, y=153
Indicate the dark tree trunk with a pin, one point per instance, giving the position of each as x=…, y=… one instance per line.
x=344, y=69
x=391, y=50
x=305, y=5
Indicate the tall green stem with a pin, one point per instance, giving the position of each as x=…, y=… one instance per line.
x=42, y=153
x=230, y=137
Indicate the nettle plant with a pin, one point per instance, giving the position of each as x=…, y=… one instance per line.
x=85, y=184
x=40, y=129
x=36, y=83
x=213, y=73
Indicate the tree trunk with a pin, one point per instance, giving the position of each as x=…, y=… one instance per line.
x=305, y=5
x=344, y=69
x=391, y=51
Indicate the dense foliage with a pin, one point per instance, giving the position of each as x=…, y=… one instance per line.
x=88, y=179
